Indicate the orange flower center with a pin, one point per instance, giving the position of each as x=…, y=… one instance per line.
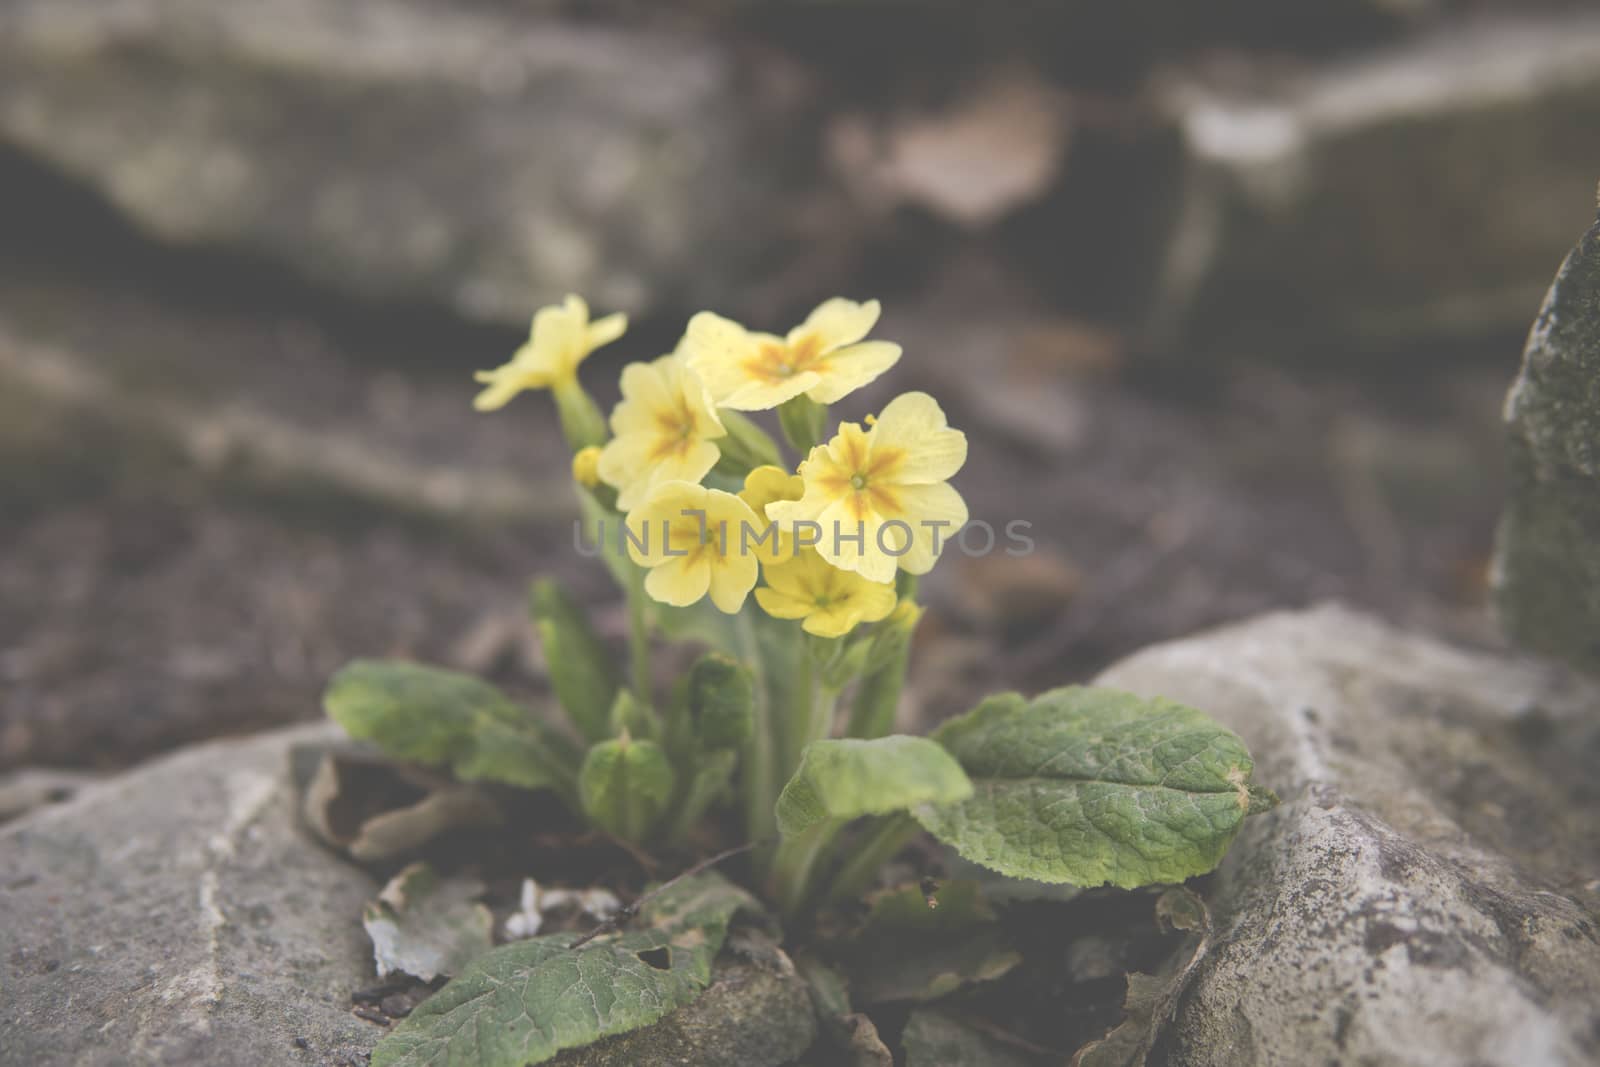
x=776, y=361
x=676, y=427
x=864, y=476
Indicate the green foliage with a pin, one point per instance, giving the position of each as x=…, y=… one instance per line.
x=581, y=671
x=746, y=446
x=431, y=715
x=625, y=786
x=803, y=421
x=1094, y=786
x=721, y=702
x=843, y=779
x=524, y=1002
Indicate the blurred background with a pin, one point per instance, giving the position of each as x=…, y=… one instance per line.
x=1227, y=297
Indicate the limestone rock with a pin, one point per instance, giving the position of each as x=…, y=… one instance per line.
x=1418, y=194
x=1429, y=886
x=1548, y=566
x=478, y=158
x=180, y=914
x=177, y=914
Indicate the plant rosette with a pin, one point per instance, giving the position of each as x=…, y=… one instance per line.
x=793, y=559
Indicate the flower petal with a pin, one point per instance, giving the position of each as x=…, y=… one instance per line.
x=716, y=349
x=836, y=323
x=936, y=514
x=689, y=464
x=758, y=394
x=840, y=546
x=782, y=606
x=914, y=425
x=850, y=368
x=680, y=581
x=604, y=331
x=732, y=578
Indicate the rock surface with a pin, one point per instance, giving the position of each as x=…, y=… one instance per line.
x=1417, y=195
x=474, y=158
x=1429, y=887
x=178, y=915
x=1548, y=565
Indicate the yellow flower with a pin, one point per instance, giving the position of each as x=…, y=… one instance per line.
x=830, y=602
x=880, y=496
x=824, y=357
x=663, y=431
x=561, y=338
x=763, y=486
x=692, y=540
x=586, y=467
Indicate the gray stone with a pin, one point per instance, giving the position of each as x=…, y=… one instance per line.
x=1419, y=194
x=478, y=158
x=1428, y=889
x=180, y=914
x=177, y=914
x=1548, y=563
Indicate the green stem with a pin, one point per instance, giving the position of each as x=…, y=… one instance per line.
x=700, y=793
x=810, y=716
x=757, y=770
x=639, y=643
x=795, y=868
x=581, y=421
x=880, y=845
x=878, y=698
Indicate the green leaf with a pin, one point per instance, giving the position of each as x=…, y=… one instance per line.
x=581, y=670
x=706, y=785
x=721, y=702
x=431, y=715
x=525, y=1002
x=425, y=926
x=803, y=421
x=1094, y=786
x=842, y=779
x=746, y=445
x=629, y=716
x=625, y=786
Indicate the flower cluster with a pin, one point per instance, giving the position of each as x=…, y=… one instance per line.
x=706, y=506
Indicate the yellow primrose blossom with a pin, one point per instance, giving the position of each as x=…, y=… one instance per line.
x=763, y=486
x=692, y=540
x=663, y=430
x=561, y=338
x=586, y=467
x=828, y=601
x=880, y=497
x=824, y=357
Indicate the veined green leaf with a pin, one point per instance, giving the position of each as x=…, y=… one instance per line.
x=1093, y=786
x=842, y=779
x=432, y=715
x=625, y=786
x=524, y=1002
